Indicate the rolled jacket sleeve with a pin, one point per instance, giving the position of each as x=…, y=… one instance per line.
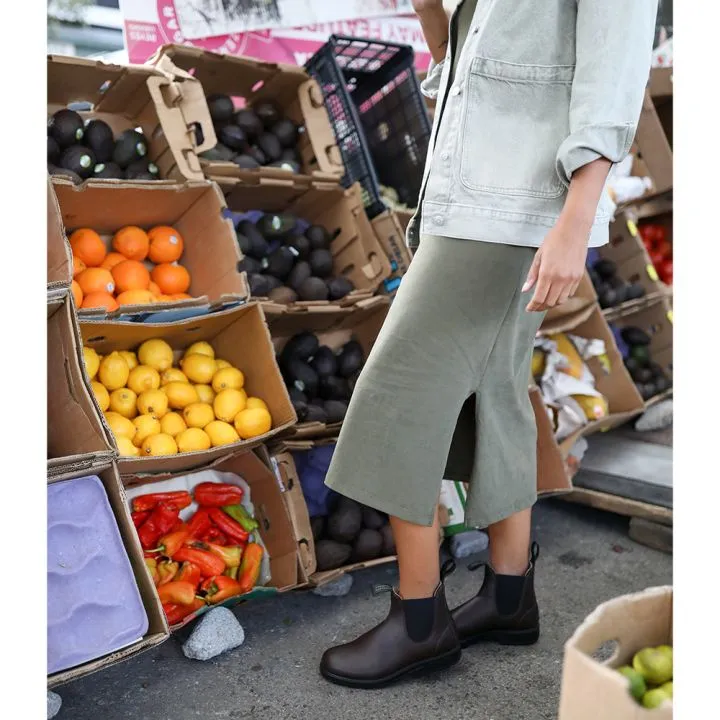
x=614, y=41
x=430, y=86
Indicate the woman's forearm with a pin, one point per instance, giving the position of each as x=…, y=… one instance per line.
x=586, y=187
x=435, y=26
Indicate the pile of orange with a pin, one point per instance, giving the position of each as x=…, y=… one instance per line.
x=141, y=269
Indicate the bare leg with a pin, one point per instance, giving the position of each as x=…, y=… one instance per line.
x=510, y=543
x=418, y=557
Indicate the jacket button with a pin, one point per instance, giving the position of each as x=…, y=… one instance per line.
x=445, y=156
x=455, y=91
x=438, y=219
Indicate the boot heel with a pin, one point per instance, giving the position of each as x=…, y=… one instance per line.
x=439, y=663
x=518, y=637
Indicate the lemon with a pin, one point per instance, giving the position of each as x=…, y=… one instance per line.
x=92, y=362
x=228, y=404
x=172, y=424
x=126, y=448
x=205, y=393
x=200, y=348
x=253, y=422
x=172, y=375
x=153, y=402
x=198, y=415
x=101, y=394
x=227, y=379
x=253, y=402
x=113, y=371
x=198, y=368
x=654, y=664
x=130, y=358
x=667, y=688
x=161, y=444
x=145, y=426
x=124, y=402
x=221, y=433
x=155, y=353
x=180, y=394
x=193, y=439
x=142, y=378
x=220, y=363
x=120, y=426
x=654, y=698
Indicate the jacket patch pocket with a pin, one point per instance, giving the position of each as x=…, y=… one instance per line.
x=516, y=117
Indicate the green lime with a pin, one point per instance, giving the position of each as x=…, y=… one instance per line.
x=656, y=666
x=654, y=698
x=636, y=681
x=667, y=688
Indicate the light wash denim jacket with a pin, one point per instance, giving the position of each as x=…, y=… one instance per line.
x=541, y=88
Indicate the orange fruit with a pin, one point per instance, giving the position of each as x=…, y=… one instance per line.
x=78, y=266
x=100, y=300
x=132, y=242
x=88, y=246
x=171, y=279
x=77, y=293
x=166, y=244
x=164, y=298
x=154, y=289
x=96, y=279
x=135, y=297
x=112, y=259
x=130, y=275
x=179, y=296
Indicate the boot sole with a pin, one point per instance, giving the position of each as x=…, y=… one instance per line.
x=504, y=637
x=416, y=670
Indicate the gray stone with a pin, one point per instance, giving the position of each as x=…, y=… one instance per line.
x=658, y=417
x=335, y=588
x=468, y=543
x=217, y=631
x=53, y=704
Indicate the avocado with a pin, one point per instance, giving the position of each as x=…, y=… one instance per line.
x=608, y=298
x=286, y=165
x=53, y=151
x=258, y=285
x=620, y=293
x=300, y=244
x=270, y=146
x=317, y=523
x=634, y=335
x=108, y=170
x=279, y=263
x=352, y=381
x=319, y=237
x=250, y=265
x=141, y=169
x=331, y=387
x=220, y=153
x=632, y=365
x=388, y=547
x=297, y=396
x=268, y=114
x=641, y=353
x=283, y=295
x=249, y=122
x=276, y=226
x=642, y=375
x=246, y=162
x=351, y=358
x=656, y=370
x=662, y=384
x=258, y=245
x=331, y=554
x=372, y=519
x=299, y=274
x=291, y=155
x=221, y=107
x=324, y=361
x=301, y=347
x=594, y=278
x=243, y=242
x=606, y=269
x=315, y=413
x=336, y=410
x=300, y=375
x=301, y=410
x=339, y=287
x=635, y=291
x=286, y=132
x=233, y=137
x=345, y=522
x=130, y=146
x=257, y=154
x=367, y=546
x=66, y=128
x=79, y=159
x=314, y=288
x=54, y=170
x=272, y=283
x=99, y=138
x=647, y=390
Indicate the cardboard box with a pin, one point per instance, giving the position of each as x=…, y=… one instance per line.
x=357, y=254
x=334, y=327
x=171, y=111
x=552, y=475
x=74, y=421
x=105, y=468
x=240, y=336
x=593, y=690
x=195, y=209
x=291, y=88
x=391, y=235
x=59, y=257
x=276, y=531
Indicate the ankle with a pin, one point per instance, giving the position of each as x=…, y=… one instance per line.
x=509, y=568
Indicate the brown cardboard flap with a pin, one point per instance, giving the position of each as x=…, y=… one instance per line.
x=552, y=475
x=59, y=257
x=654, y=144
x=391, y=236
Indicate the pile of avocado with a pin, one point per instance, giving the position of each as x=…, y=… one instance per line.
x=649, y=378
x=351, y=533
x=320, y=381
x=82, y=150
x=285, y=264
x=252, y=137
x=611, y=289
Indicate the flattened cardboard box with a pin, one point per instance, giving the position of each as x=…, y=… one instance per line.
x=171, y=111
x=391, y=235
x=59, y=258
x=596, y=691
x=158, y=632
x=194, y=209
x=239, y=336
x=290, y=87
x=654, y=140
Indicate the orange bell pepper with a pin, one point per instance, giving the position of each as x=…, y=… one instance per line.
x=177, y=593
x=220, y=588
x=250, y=566
x=167, y=570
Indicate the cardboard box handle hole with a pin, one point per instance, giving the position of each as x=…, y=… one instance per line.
x=197, y=132
x=92, y=340
x=606, y=652
x=193, y=329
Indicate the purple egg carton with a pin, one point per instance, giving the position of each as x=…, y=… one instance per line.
x=94, y=606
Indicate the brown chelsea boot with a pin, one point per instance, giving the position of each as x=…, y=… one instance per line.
x=494, y=615
x=405, y=643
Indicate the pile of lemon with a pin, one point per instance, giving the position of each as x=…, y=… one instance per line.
x=156, y=409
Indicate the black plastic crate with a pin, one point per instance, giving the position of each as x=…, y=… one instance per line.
x=378, y=113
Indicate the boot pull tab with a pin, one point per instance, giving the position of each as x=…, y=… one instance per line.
x=534, y=552
x=381, y=589
x=448, y=568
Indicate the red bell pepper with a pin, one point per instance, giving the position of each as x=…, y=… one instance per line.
x=177, y=613
x=250, y=566
x=171, y=543
x=213, y=535
x=162, y=519
x=199, y=523
x=151, y=564
x=666, y=272
x=220, y=588
x=189, y=572
x=210, y=494
x=208, y=563
x=228, y=526
x=231, y=556
x=179, y=499
x=139, y=518
x=167, y=570
x=178, y=593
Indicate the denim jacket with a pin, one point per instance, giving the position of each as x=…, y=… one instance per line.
x=541, y=88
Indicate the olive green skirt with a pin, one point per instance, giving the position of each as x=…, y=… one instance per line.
x=444, y=391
